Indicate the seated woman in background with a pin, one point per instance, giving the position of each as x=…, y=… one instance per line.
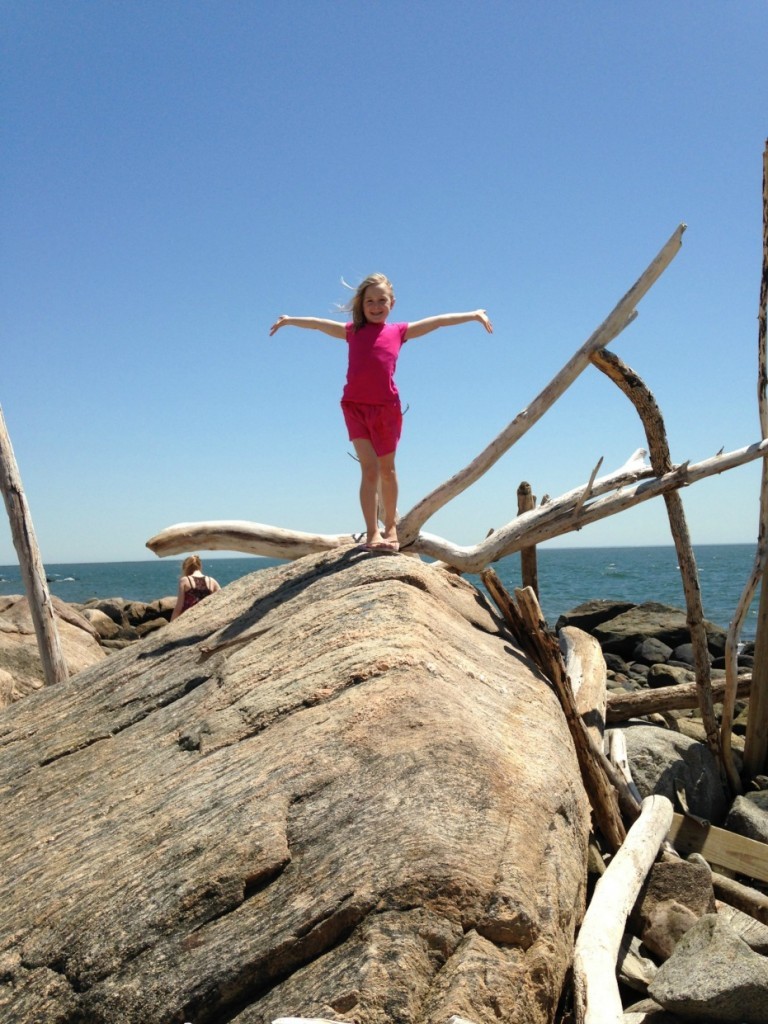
x=193, y=585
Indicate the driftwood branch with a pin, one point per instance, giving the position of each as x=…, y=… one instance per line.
x=553, y=519
x=249, y=538
x=526, y=500
x=622, y=315
x=585, y=667
x=743, y=897
x=556, y=517
x=30, y=563
x=756, y=744
x=597, y=998
x=661, y=462
x=622, y=706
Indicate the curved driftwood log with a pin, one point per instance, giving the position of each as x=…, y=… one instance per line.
x=597, y=947
x=250, y=538
x=661, y=462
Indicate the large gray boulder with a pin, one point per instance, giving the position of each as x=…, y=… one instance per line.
x=622, y=634
x=667, y=762
x=713, y=975
x=364, y=804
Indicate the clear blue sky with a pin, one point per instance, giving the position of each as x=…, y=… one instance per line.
x=176, y=174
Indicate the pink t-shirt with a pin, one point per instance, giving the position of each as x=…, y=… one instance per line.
x=373, y=352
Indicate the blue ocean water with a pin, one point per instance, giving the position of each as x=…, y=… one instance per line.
x=567, y=577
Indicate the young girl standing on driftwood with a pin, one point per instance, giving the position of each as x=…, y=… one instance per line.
x=371, y=402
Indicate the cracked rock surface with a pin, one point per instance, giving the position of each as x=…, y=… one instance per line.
x=332, y=789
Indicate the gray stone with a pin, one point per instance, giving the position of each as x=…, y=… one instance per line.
x=662, y=760
x=592, y=613
x=758, y=797
x=19, y=655
x=749, y=819
x=616, y=664
x=104, y=625
x=669, y=675
x=621, y=634
x=713, y=975
x=684, y=653
x=651, y=651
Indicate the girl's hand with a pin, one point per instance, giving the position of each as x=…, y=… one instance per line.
x=482, y=316
x=282, y=321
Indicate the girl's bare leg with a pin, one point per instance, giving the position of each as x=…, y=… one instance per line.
x=369, y=486
x=388, y=484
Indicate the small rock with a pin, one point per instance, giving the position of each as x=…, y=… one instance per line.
x=748, y=818
x=669, y=675
x=651, y=651
x=713, y=975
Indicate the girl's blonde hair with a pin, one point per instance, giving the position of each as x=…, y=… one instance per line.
x=355, y=306
x=190, y=564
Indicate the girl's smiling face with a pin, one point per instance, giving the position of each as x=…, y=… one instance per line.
x=378, y=300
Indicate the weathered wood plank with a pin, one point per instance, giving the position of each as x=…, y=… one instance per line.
x=720, y=847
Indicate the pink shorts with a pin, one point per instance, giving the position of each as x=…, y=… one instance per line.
x=379, y=424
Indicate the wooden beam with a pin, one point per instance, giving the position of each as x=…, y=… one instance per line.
x=720, y=847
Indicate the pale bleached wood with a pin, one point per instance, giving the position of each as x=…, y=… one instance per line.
x=634, y=969
x=617, y=745
x=621, y=315
x=30, y=564
x=550, y=520
x=585, y=667
x=249, y=538
x=622, y=706
x=597, y=999
x=756, y=741
x=556, y=517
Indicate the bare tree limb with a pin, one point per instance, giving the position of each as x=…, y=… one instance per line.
x=30, y=563
x=756, y=743
x=661, y=462
x=555, y=518
x=622, y=315
x=249, y=538
x=622, y=706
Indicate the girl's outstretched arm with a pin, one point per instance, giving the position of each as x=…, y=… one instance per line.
x=419, y=327
x=313, y=323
